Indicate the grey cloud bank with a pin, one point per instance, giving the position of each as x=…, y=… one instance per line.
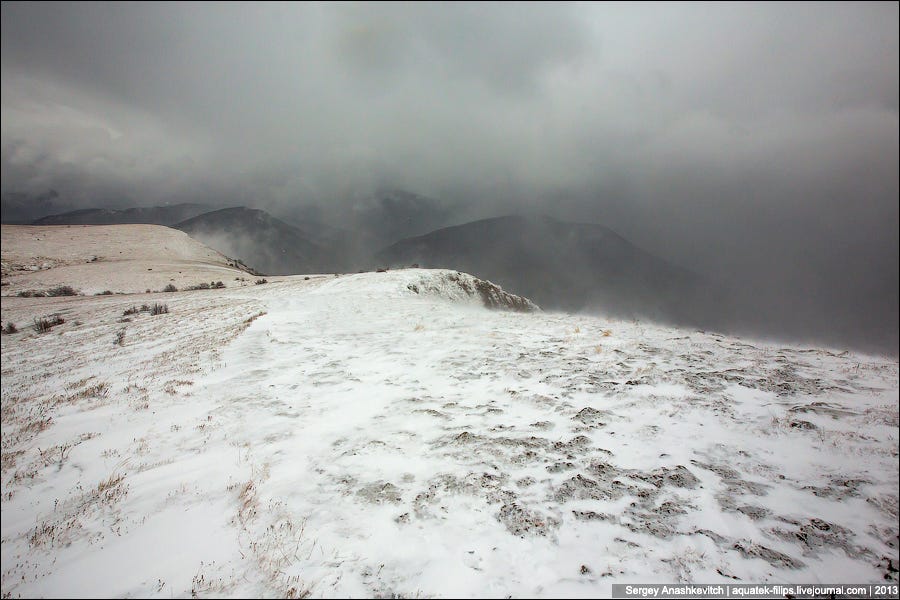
x=755, y=143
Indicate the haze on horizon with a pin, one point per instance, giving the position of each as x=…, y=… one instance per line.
x=753, y=143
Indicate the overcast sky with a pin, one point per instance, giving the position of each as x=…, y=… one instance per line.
x=741, y=140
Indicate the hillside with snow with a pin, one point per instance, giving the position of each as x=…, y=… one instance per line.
x=389, y=434
x=97, y=258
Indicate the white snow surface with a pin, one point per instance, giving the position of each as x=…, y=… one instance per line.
x=347, y=436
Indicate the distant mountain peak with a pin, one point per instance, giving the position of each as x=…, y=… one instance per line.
x=558, y=264
x=258, y=239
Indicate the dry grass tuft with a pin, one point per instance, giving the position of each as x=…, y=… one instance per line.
x=248, y=503
x=99, y=390
x=159, y=309
x=45, y=324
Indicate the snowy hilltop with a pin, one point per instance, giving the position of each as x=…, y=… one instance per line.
x=416, y=433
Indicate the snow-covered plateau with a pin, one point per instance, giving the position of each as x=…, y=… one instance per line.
x=387, y=435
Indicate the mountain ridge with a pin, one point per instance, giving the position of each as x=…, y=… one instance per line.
x=146, y=215
x=563, y=265
x=259, y=239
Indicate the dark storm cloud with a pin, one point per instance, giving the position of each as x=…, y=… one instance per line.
x=313, y=91
x=757, y=143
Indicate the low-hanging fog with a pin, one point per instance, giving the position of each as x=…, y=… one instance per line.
x=755, y=144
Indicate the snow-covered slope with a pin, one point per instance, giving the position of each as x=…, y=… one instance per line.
x=384, y=434
x=97, y=258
